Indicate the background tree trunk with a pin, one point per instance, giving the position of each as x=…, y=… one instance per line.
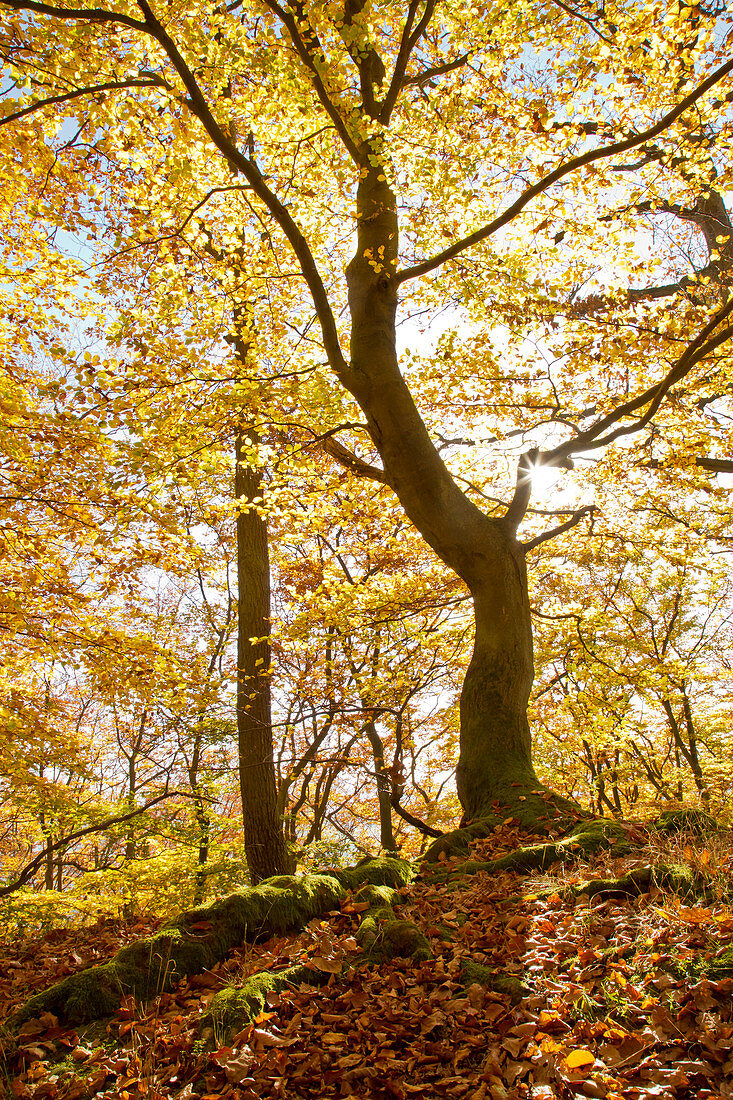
x=264, y=842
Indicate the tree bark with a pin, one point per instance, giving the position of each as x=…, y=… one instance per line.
x=386, y=832
x=264, y=841
x=495, y=761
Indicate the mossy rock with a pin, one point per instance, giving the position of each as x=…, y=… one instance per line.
x=199, y=938
x=687, y=819
x=508, y=985
x=403, y=940
x=376, y=897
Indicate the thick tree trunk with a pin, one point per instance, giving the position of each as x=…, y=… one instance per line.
x=264, y=842
x=495, y=745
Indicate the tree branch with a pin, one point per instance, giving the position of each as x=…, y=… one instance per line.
x=578, y=15
x=426, y=830
x=593, y=437
x=560, y=172
x=575, y=519
x=335, y=448
x=519, y=504
x=715, y=465
x=304, y=52
x=91, y=15
x=30, y=869
x=408, y=42
x=158, y=82
x=436, y=70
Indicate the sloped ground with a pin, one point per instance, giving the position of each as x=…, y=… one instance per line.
x=620, y=997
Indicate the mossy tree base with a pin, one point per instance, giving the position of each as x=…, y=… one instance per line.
x=536, y=810
x=199, y=938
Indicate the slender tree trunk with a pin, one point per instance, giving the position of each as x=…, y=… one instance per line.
x=694, y=757
x=264, y=842
x=384, y=790
x=203, y=821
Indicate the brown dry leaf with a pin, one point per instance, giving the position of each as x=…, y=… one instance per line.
x=328, y=966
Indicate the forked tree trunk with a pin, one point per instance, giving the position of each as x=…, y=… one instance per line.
x=264, y=842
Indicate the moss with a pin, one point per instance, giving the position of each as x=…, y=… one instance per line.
x=403, y=939
x=457, y=842
x=386, y=938
x=381, y=935
x=508, y=985
x=677, y=879
x=380, y=871
x=686, y=819
x=376, y=896
x=538, y=809
x=232, y=1008
x=587, y=837
x=721, y=966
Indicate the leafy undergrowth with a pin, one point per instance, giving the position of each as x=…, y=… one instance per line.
x=621, y=997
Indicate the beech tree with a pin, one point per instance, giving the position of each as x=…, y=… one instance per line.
x=463, y=144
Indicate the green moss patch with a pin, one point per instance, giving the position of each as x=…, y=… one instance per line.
x=508, y=985
x=379, y=871
x=457, y=842
x=677, y=879
x=231, y=1009
x=721, y=966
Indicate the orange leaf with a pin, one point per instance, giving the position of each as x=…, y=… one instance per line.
x=578, y=1058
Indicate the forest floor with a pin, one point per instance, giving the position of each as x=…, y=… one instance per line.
x=615, y=1004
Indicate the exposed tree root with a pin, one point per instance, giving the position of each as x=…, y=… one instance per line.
x=199, y=938
x=582, y=840
x=536, y=811
x=677, y=879
x=381, y=935
x=234, y=1007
